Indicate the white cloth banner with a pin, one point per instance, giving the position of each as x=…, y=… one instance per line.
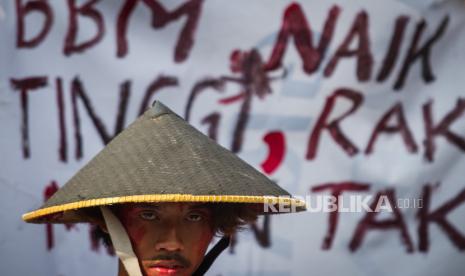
x=358, y=99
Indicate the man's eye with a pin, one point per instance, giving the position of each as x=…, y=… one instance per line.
x=148, y=215
x=194, y=217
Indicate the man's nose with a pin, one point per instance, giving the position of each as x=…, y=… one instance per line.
x=169, y=240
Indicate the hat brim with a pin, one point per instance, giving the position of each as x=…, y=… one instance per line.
x=69, y=212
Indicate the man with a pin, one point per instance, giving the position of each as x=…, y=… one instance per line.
x=162, y=190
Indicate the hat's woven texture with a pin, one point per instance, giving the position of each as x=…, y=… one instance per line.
x=161, y=154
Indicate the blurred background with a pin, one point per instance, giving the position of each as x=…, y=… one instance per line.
x=345, y=98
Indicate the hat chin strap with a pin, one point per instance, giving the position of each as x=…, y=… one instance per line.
x=123, y=247
x=121, y=243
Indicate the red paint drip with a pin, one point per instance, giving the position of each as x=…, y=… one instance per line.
x=277, y=147
x=51, y=189
x=230, y=100
x=48, y=192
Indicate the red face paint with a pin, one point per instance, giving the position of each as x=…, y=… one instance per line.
x=139, y=234
x=204, y=241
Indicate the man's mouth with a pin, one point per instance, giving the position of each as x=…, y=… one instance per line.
x=167, y=267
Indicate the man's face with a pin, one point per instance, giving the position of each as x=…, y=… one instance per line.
x=168, y=238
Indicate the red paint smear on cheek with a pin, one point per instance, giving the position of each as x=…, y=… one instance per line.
x=135, y=232
x=138, y=234
x=204, y=240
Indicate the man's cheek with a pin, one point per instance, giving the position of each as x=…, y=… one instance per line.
x=139, y=233
x=203, y=243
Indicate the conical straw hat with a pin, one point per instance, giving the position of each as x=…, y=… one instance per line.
x=160, y=158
